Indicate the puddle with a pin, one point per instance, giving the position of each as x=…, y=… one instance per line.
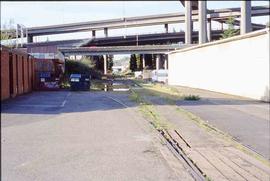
x=109, y=86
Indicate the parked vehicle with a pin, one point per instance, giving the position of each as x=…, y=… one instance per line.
x=79, y=82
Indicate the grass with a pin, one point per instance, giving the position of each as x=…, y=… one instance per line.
x=65, y=85
x=149, y=111
x=171, y=94
x=210, y=128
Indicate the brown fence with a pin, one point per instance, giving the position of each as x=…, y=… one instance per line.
x=17, y=74
x=20, y=72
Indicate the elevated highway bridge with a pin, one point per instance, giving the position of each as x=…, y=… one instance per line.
x=145, y=49
x=130, y=40
x=216, y=15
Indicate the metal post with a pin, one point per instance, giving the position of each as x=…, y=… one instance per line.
x=105, y=64
x=106, y=32
x=26, y=34
x=202, y=22
x=166, y=28
x=188, y=22
x=245, y=24
x=93, y=33
x=209, y=29
x=22, y=35
x=17, y=35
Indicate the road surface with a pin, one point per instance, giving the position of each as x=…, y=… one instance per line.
x=80, y=136
x=247, y=120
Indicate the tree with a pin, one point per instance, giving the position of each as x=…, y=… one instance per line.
x=133, y=63
x=100, y=62
x=110, y=62
x=4, y=35
x=139, y=62
x=230, y=32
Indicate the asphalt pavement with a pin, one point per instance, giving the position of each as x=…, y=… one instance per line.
x=246, y=120
x=80, y=136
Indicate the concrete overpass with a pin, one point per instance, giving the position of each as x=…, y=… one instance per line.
x=144, y=39
x=128, y=22
x=114, y=50
x=105, y=51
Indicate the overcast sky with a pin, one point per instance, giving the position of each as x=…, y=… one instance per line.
x=49, y=13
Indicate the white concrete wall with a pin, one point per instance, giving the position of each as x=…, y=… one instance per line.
x=238, y=65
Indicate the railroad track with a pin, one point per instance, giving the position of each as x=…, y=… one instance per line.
x=174, y=146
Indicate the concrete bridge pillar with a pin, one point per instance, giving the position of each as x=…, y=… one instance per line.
x=188, y=22
x=166, y=62
x=93, y=33
x=157, y=62
x=245, y=23
x=222, y=28
x=202, y=21
x=143, y=61
x=105, y=63
x=106, y=32
x=209, y=29
x=166, y=28
x=30, y=39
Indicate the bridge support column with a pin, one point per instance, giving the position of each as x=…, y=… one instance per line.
x=106, y=32
x=166, y=28
x=143, y=61
x=93, y=33
x=157, y=62
x=29, y=39
x=209, y=30
x=105, y=64
x=245, y=24
x=166, y=62
x=202, y=21
x=188, y=22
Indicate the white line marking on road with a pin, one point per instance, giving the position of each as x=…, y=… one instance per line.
x=65, y=101
x=117, y=101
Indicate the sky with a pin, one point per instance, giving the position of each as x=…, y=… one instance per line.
x=32, y=14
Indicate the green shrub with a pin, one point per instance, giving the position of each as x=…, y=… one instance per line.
x=81, y=67
x=191, y=97
x=230, y=32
